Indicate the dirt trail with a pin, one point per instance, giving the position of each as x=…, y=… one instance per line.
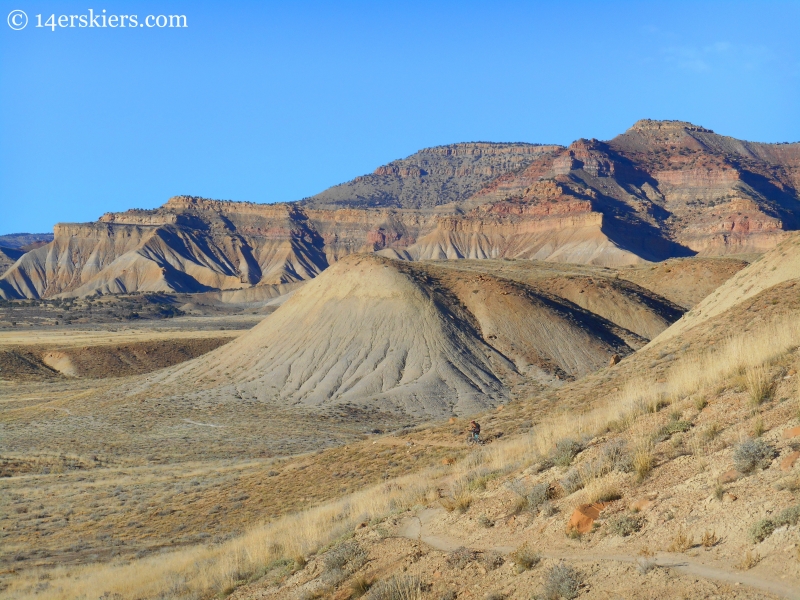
x=416, y=528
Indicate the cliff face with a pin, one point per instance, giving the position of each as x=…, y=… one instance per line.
x=662, y=189
x=670, y=188
x=187, y=245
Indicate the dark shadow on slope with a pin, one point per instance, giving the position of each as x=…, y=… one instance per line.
x=642, y=239
x=785, y=202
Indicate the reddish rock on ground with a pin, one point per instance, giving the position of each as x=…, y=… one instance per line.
x=584, y=517
x=788, y=461
x=790, y=433
x=728, y=476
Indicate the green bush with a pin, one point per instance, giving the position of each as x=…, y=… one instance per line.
x=761, y=530
x=625, y=524
x=788, y=516
x=572, y=482
x=565, y=451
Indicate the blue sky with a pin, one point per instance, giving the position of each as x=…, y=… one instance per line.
x=275, y=101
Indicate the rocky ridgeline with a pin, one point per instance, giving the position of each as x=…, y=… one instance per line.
x=662, y=189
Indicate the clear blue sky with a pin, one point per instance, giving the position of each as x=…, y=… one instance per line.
x=274, y=101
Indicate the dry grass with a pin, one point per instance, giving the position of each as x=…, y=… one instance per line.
x=759, y=384
x=699, y=370
x=709, y=539
x=604, y=489
x=212, y=569
x=681, y=542
x=643, y=460
x=749, y=560
x=207, y=570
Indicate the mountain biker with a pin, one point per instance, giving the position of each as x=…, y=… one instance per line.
x=475, y=430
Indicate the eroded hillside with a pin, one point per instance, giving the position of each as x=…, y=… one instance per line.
x=661, y=190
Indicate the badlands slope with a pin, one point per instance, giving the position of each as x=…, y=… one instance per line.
x=423, y=339
x=779, y=266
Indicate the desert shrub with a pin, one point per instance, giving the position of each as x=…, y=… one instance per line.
x=790, y=484
x=561, y=581
x=752, y=454
x=524, y=558
x=491, y=560
x=449, y=595
x=529, y=499
x=626, y=524
x=461, y=557
x=788, y=516
x=399, y=587
x=538, y=495
x=761, y=530
x=719, y=491
x=671, y=428
x=572, y=482
x=547, y=509
x=617, y=456
x=349, y=556
x=565, y=451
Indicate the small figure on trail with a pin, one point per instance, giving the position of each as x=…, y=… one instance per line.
x=475, y=432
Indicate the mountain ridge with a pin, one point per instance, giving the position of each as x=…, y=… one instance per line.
x=662, y=189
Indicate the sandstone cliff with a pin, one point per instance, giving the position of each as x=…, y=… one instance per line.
x=662, y=189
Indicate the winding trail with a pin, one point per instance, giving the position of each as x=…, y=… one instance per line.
x=416, y=528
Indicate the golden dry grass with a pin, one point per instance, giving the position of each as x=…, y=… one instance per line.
x=203, y=571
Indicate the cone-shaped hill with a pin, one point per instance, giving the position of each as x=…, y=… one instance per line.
x=417, y=338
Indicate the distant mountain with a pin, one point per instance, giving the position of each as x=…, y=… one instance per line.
x=25, y=241
x=431, y=177
x=662, y=189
